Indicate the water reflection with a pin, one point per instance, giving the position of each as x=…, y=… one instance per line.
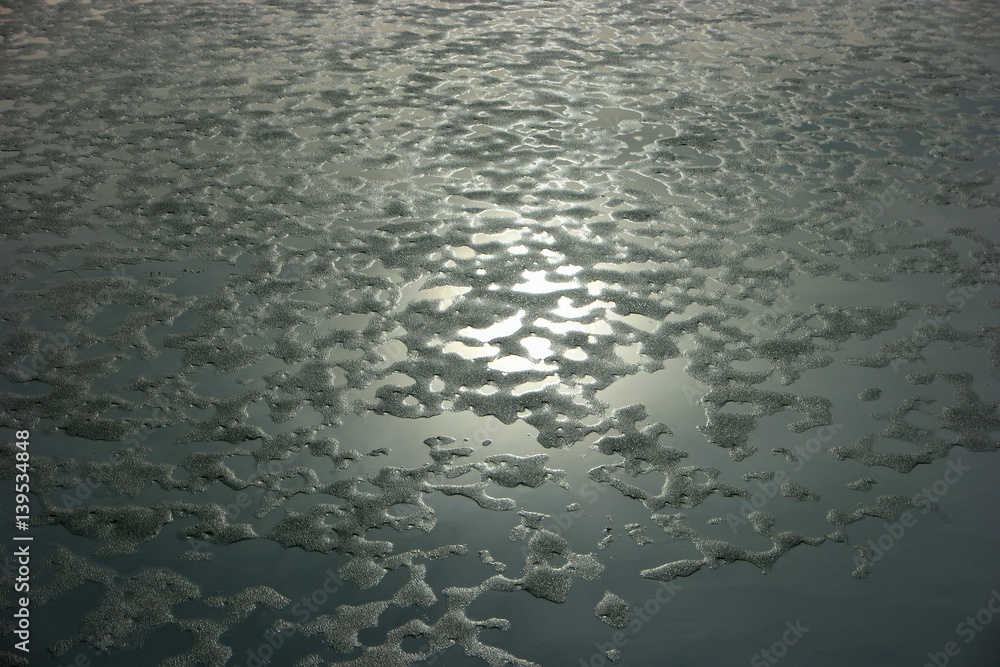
x=306, y=298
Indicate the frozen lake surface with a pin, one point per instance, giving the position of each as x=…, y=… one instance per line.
x=528, y=333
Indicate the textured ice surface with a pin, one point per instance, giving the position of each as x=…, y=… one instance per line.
x=274, y=275
x=613, y=610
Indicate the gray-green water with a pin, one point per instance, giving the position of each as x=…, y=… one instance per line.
x=399, y=333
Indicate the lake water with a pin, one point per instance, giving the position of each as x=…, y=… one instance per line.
x=529, y=333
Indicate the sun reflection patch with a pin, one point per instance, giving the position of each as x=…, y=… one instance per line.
x=538, y=347
x=513, y=364
x=501, y=329
x=535, y=282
